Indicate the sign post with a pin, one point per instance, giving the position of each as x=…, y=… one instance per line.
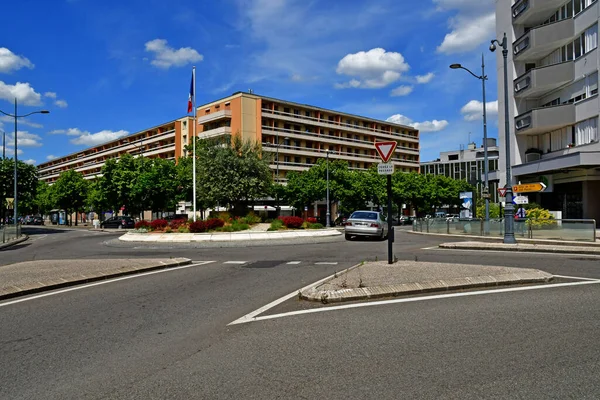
x=385, y=151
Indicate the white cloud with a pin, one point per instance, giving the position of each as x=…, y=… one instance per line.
x=10, y=150
x=52, y=95
x=26, y=139
x=473, y=110
x=425, y=126
x=9, y=61
x=402, y=91
x=61, y=103
x=90, y=139
x=31, y=161
x=474, y=24
x=51, y=157
x=166, y=56
x=372, y=69
x=22, y=121
x=425, y=78
x=23, y=92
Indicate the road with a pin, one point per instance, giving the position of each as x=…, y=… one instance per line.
x=166, y=335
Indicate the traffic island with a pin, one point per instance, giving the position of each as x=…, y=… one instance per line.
x=225, y=236
x=37, y=276
x=372, y=280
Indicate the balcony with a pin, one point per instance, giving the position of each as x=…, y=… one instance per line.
x=215, y=116
x=213, y=133
x=545, y=119
x=538, y=81
x=534, y=12
x=541, y=41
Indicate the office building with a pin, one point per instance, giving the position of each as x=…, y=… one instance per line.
x=468, y=165
x=553, y=101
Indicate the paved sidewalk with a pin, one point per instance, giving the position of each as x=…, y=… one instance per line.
x=523, y=247
x=35, y=276
x=225, y=236
x=380, y=279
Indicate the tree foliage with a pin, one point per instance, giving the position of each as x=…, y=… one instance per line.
x=70, y=192
x=26, y=184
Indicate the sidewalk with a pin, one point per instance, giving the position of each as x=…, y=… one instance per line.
x=589, y=248
x=35, y=276
x=379, y=279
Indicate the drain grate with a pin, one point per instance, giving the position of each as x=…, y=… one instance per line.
x=264, y=264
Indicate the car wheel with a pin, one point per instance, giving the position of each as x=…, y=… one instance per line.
x=348, y=237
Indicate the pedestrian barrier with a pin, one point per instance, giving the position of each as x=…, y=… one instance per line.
x=10, y=232
x=583, y=230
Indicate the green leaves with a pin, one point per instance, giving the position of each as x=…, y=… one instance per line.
x=26, y=184
x=70, y=192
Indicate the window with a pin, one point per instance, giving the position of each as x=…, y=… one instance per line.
x=453, y=157
x=286, y=110
x=297, y=160
x=297, y=143
x=287, y=126
x=586, y=131
x=296, y=112
x=554, y=102
x=307, y=113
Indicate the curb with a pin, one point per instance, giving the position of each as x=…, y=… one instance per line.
x=333, y=296
x=13, y=242
x=519, y=240
x=522, y=249
x=56, y=284
x=224, y=236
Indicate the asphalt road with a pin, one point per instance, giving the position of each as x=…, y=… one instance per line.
x=166, y=335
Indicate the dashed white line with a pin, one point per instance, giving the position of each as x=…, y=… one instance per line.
x=294, y=262
x=326, y=263
x=235, y=262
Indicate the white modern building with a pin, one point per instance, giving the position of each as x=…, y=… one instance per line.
x=553, y=100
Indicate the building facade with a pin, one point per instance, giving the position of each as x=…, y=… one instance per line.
x=553, y=101
x=297, y=134
x=468, y=165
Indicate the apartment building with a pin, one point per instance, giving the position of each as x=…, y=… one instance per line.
x=297, y=134
x=553, y=101
x=468, y=165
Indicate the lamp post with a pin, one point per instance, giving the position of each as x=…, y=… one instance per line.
x=15, y=116
x=328, y=215
x=3, y=145
x=509, y=232
x=486, y=188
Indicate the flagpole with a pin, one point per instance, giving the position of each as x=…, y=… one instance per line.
x=194, y=141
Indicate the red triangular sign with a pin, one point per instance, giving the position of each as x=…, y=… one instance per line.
x=385, y=150
x=502, y=192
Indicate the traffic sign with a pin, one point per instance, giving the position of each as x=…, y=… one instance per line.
x=521, y=200
x=385, y=169
x=10, y=202
x=502, y=192
x=529, y=187
x=385, y=150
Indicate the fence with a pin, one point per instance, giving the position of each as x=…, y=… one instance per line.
x=583, y=230
x=10, y=232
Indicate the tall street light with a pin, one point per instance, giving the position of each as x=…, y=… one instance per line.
x=15, y=116
x=3, y=145
x=328, y=215
x=486, y=189
x=509, y=232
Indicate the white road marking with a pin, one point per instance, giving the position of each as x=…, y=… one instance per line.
x=521, y=253
x=235, y=262
x=326, y=263
x=252, y=316
x=8, y=303
x=294, y=262
x=576, y=277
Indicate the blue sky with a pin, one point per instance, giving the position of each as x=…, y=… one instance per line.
x=108, y=68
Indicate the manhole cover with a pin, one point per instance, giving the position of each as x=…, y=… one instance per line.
x=264, y=264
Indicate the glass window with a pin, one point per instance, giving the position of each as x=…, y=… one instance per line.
x=577, y=5
x=577, y=45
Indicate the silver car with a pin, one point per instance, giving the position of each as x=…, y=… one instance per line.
x=366, y=223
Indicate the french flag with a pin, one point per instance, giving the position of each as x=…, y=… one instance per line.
x=191, y=97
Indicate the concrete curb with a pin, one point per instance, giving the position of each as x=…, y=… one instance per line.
x=521, y=247
x=224, y=236
x=520, y=240
x=13, y=242
x=59, y=283
x=332, y=296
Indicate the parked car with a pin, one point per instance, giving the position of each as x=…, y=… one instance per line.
x=366, y=223
x=406, y=220
x=118, y=223
x=176, y=217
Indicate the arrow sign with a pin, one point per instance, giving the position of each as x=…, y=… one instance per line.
x=385, y=150
x=529, y=187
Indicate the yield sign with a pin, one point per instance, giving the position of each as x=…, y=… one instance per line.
x=502, y=192
x=385, y=150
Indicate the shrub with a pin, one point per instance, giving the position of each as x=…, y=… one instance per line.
x=140, y=230
x=159, y=224
x=183, y=229
x=168, y=229
x=251, y=219
x=226, y=228
x=292, y=222
x=213, y=223
x=197, y=227
x=538, y=217
x=316, y=226
x=142, y=225
x=222, y=215
x=311, y=220
x=276, y=224
x=240, y=227
x=176, y=223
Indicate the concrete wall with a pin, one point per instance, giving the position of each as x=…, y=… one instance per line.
x=591, y=194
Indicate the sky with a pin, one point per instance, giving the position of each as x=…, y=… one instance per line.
x=105, y=69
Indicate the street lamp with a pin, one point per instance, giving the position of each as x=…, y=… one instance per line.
x=15, y=116
x=327, y=216
x=3, y=145
x=486, y=188
x=509, y=233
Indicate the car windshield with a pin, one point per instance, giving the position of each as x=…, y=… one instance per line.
x=364, y=215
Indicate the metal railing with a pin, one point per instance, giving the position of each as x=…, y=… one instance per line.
x=10, y=232
x=579, y=230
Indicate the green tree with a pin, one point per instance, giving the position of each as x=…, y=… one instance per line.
x=70, y=192
x=44, y=199
x=155, y=185
x=119, y=178
x=96, y=198
x=26, y=184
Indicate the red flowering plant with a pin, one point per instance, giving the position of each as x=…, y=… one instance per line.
x=292, y=222
x=159, y=224
x=142, y=224
x=197, y=227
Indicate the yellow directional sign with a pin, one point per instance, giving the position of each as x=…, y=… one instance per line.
x=10, y=202
x=529, y=187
